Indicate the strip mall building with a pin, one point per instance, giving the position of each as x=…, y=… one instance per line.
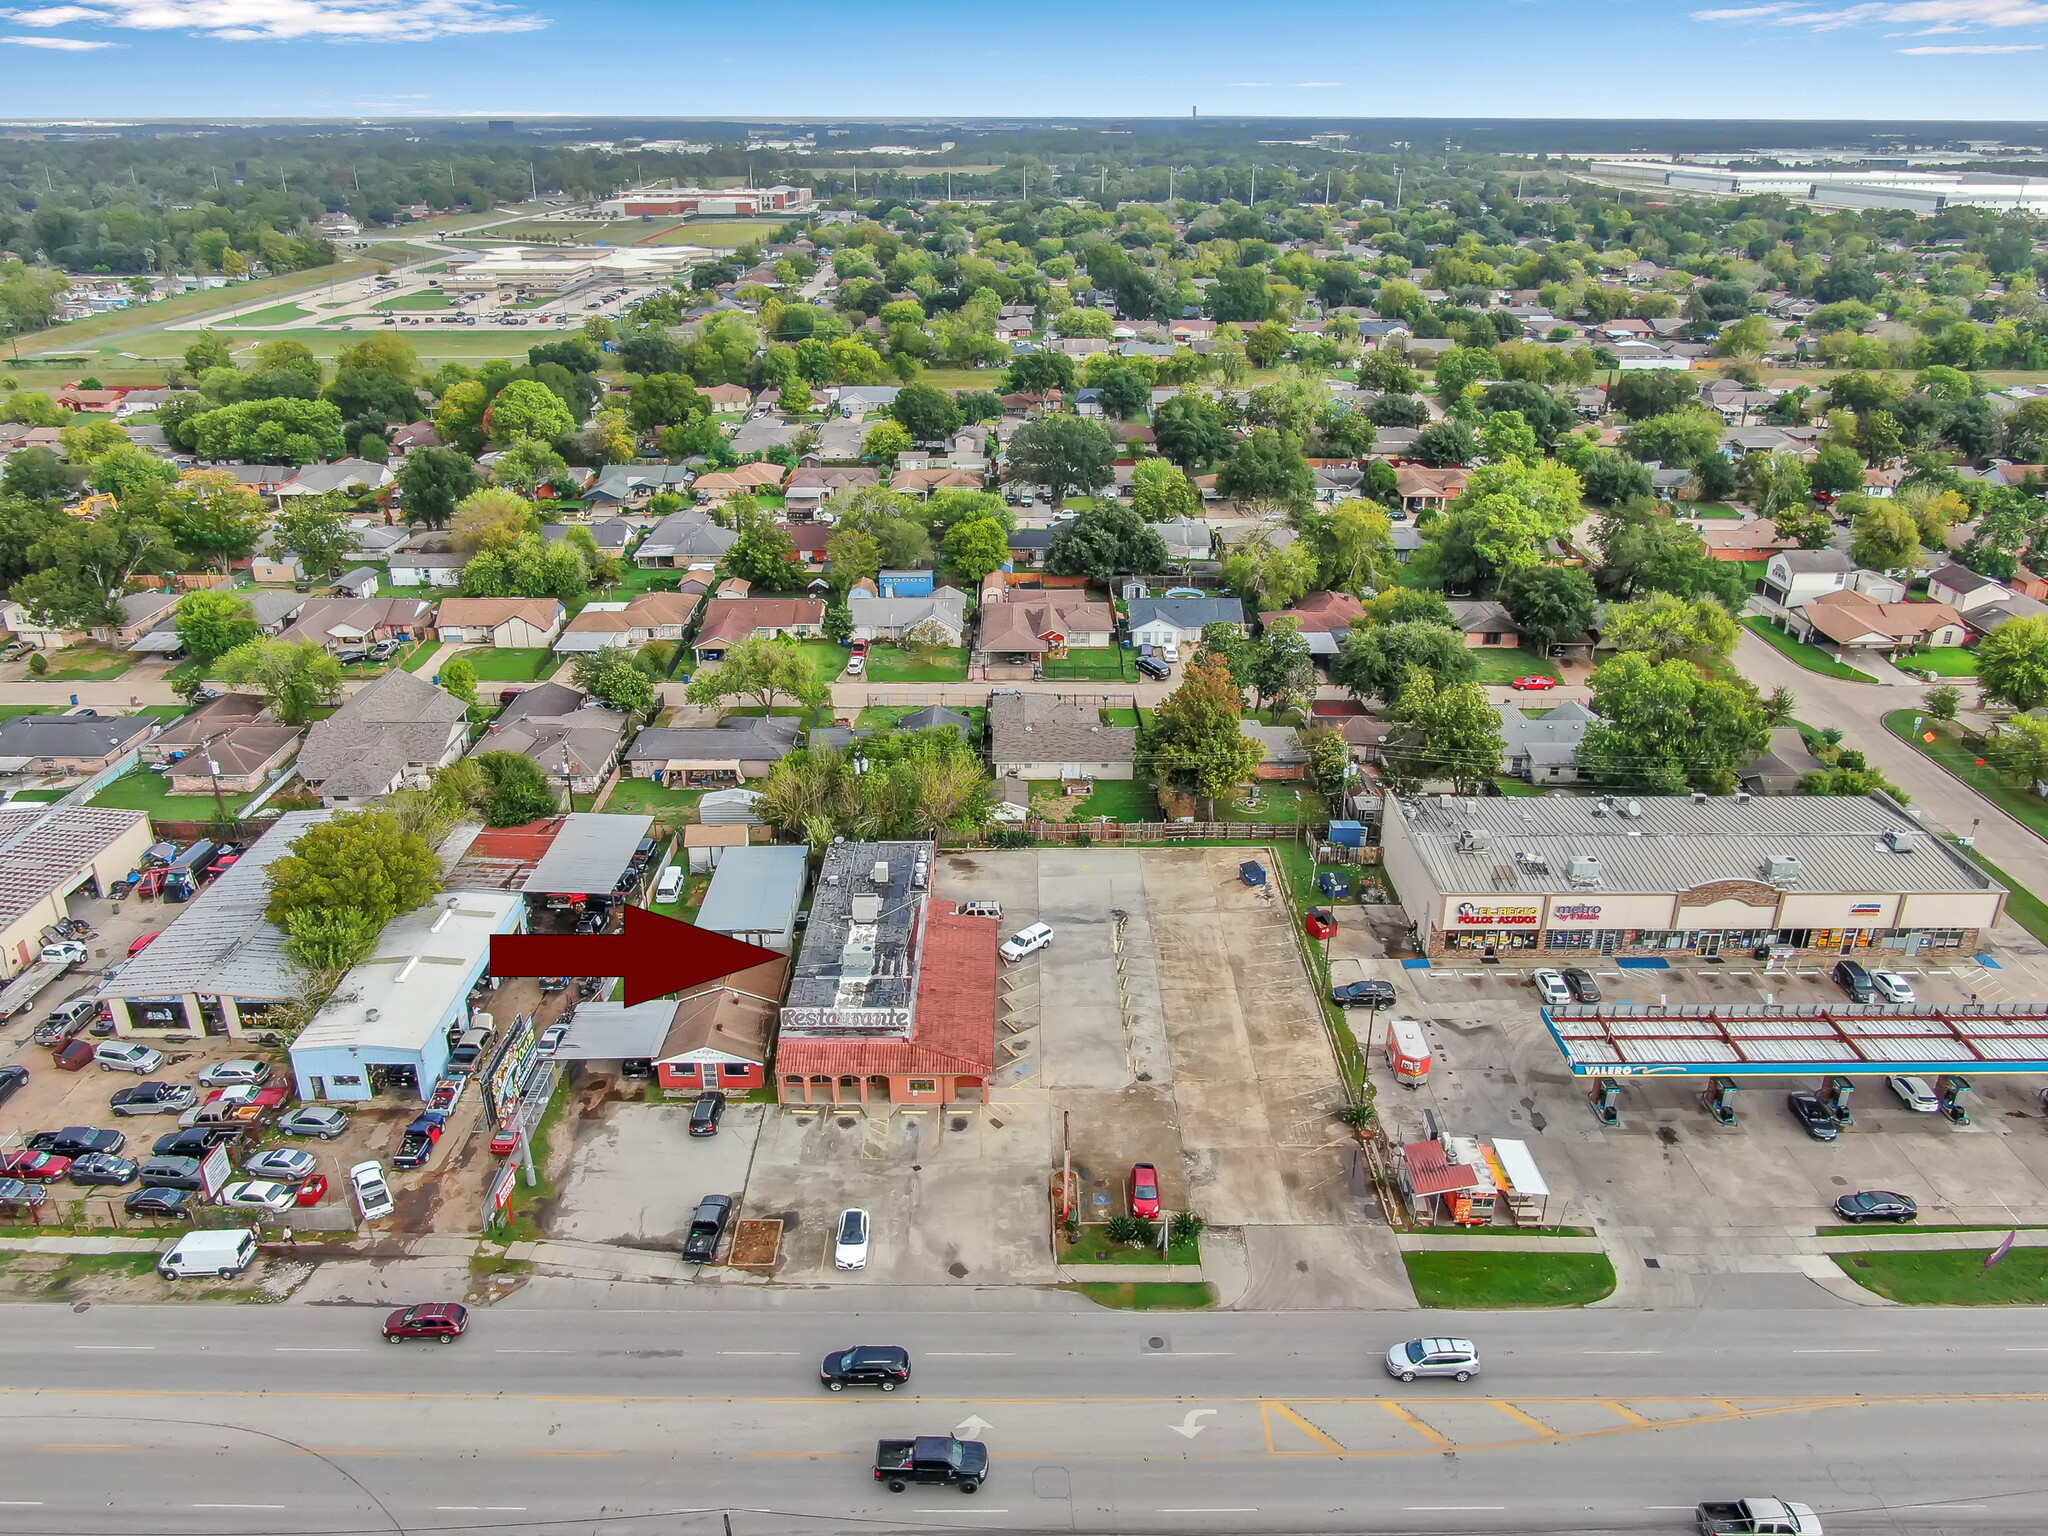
x=1544, y=879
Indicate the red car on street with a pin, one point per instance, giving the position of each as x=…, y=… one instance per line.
x=441, y=1321
x=1144, y=1190
x=1534, y=684
x=24, y=1164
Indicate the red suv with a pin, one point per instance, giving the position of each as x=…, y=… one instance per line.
x=441, y=1321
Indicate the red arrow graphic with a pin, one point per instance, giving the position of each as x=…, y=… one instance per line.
x=655, y=955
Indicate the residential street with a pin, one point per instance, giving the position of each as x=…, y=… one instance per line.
x=292, y=1419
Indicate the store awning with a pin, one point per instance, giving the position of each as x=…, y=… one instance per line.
x=1793, y=1040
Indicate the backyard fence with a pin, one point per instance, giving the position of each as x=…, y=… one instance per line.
x=1066, y=834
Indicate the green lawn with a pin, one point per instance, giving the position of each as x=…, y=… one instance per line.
x=1513, y=787
x=1947, y=749
x=85, y=664
x=1811, y=657
x=510, y=664
x=884, y=716
x=646, y=798
x=1951, y=1277
x=1281, y=804
x=144, y=789
x=426, y=298
x=277, y=314
x=2021, y=904
x=829, y=659
x=1096, y=1248
x=1119, y=800
x=1479, y=1280
x=1149, y=1295
x=1719, y=509
x=1124, y=717
x=9, y=711
x=1503, y=664
x=891, y=664
x=1944, y=660
x=1099, y=662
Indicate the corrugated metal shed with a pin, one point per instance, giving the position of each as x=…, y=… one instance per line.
x=756, y=891
x=1775, y=1039
x=588, y=855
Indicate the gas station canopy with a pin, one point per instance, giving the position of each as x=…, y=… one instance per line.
x=1787, y=1040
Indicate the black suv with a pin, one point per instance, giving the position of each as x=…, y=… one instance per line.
x=706, y=1228
x=705, y=1114
x=866, y=1365
x=162, y=1201
x=76, y=1141
x=194, y=1141
x=1363, y=994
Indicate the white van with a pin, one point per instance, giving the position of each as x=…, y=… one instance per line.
x=1029, y=942
x=670, y=885
x=218, y=1253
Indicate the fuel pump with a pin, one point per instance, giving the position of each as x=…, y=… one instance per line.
x=1605, y=1101
x=1834, y=1093
x=1950, y=1088
x=1719, y=1100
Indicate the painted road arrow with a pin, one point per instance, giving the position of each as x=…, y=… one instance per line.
x=654, y=956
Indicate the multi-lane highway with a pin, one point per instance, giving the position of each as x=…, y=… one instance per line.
x=300, y=1419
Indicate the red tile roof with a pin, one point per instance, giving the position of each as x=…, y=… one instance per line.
x=955, y=1030
x=1430, y=1172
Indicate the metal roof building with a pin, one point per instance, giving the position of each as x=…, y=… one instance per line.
x=1780, y=1039
x=1699, y=874
x=755, y=894
x=46, y=853
x=588, y=855
x=219, y=953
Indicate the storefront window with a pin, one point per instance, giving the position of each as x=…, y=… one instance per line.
x=1482, y=939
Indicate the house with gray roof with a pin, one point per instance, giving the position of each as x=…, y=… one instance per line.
x=557, y=728
x=1163, y=621
x=617, y=483
x=78, y=744
x=893, y=618
x=392, y=734
x=1037, y=736
x=682, y=538
x=1546, y=750
x=730, y=752
x=342, y=475
x=1185, y=539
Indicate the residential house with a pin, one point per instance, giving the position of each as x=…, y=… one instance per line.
x=1426, y=489
x=893, y=618
x=1795, y=577
x=528, y=623
x=1186, y=540
x=719, y=1036
x=856, y=401
x=1754, y=538
x=273, y=610
x=599, y=627
x=1962, y=588
x=1036, y=736
x=1853, y=621
x=342, y=475
x=1159, y=622
x=406, y=436
x=141, y=612
x=209, y=721
x=650, y=616
x=683, y=538
x=2029, y=584
x=1989, y=618
x=1546, y=750
x=1485, y=624
x=1028, y=547
x=360, y=582
x=1285, y=758
x=620, y=484
x=612, y=535
x=1336, y=482
x=558, y=727
x=752, y=479
x=728, y=621
x=1783, y=766
x=936, y=717
x=264, y=479
x=237, y=763
x=922, y=482
x=1019, y=632
x=340, y=623
x=394, y=733
x=419, y=569
x=730, y=752
x=727, y=398
x=808, y=488
x=1322, y=618
x=70, y=744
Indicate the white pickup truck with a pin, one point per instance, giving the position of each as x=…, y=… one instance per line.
x=1758, y=1517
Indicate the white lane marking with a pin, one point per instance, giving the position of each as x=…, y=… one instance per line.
x=1189, y=1354
x=1453, y=1508
x=22, y=1503
x=114, y=1346
x=504, y=1509
x=1621, y=1351
x=954, y=1509
x=457, y=1509
x=1242, y=1509
x=317, y=1349
x=529, y=1351
x=2026, y=1349
x=239, y=1506
x=969, y=1354
x=1835, y=1351
x=973, y=1427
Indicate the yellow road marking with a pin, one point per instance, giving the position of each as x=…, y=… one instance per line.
x=1515, y=1413
x=1270, y=1408
x=1623, y=1410
x=1414, y=1423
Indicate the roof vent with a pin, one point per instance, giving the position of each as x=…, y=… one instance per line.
x=880, y=874
x=1534, y=863
x=1782, y=868
x=1474, y=840
x=1902, y=839
x=1742, y=797
x=1597, y=808
x=1633, y=810
x=1699, y=797
x=866, y=909
x=920, y=874
x=371, y=1015
x=1584, y=870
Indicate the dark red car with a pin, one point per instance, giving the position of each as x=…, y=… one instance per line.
x=442, y=1321
x=1144, y=1190
x=24, y=1164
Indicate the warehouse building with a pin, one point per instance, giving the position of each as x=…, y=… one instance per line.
x=46, y=856
x=755, y=894
x=1542, y=880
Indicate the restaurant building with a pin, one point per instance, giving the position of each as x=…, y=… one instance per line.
x=1545, y=879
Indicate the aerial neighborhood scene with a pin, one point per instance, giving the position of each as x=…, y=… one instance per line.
x=1325, y=817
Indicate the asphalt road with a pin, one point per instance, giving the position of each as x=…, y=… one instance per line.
x=300, y=1420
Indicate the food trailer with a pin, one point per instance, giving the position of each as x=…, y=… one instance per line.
x=1407, y=1051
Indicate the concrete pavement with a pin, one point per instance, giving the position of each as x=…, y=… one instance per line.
x=294, y=1419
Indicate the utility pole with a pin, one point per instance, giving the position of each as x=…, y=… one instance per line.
x=1326, y=187
x=1399, y=171
x=1255, y=188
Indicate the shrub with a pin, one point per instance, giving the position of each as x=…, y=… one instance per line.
x=1135, y=1230
x=1187, y=1226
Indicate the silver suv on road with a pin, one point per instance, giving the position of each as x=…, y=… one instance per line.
x=1455, y=1358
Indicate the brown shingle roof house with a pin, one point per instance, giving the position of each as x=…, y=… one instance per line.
x=1032, y=736
x=730, y=620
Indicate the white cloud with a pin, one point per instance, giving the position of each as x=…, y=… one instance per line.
x=60, y=44
x=354, y=21
x=1981, y=48
x=1924, y=16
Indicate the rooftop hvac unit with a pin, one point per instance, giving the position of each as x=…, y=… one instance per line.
x=1535, y=863
x=1699, y=797
x=1781, y=868
x=1584, y=870
x=1902, y=839
x=867, y=909
x=1474, y=840
x=881, y=872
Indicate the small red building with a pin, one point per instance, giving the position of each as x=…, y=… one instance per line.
x=719, y=1036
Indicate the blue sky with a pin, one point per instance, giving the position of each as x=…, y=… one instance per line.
x=1877, y=59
